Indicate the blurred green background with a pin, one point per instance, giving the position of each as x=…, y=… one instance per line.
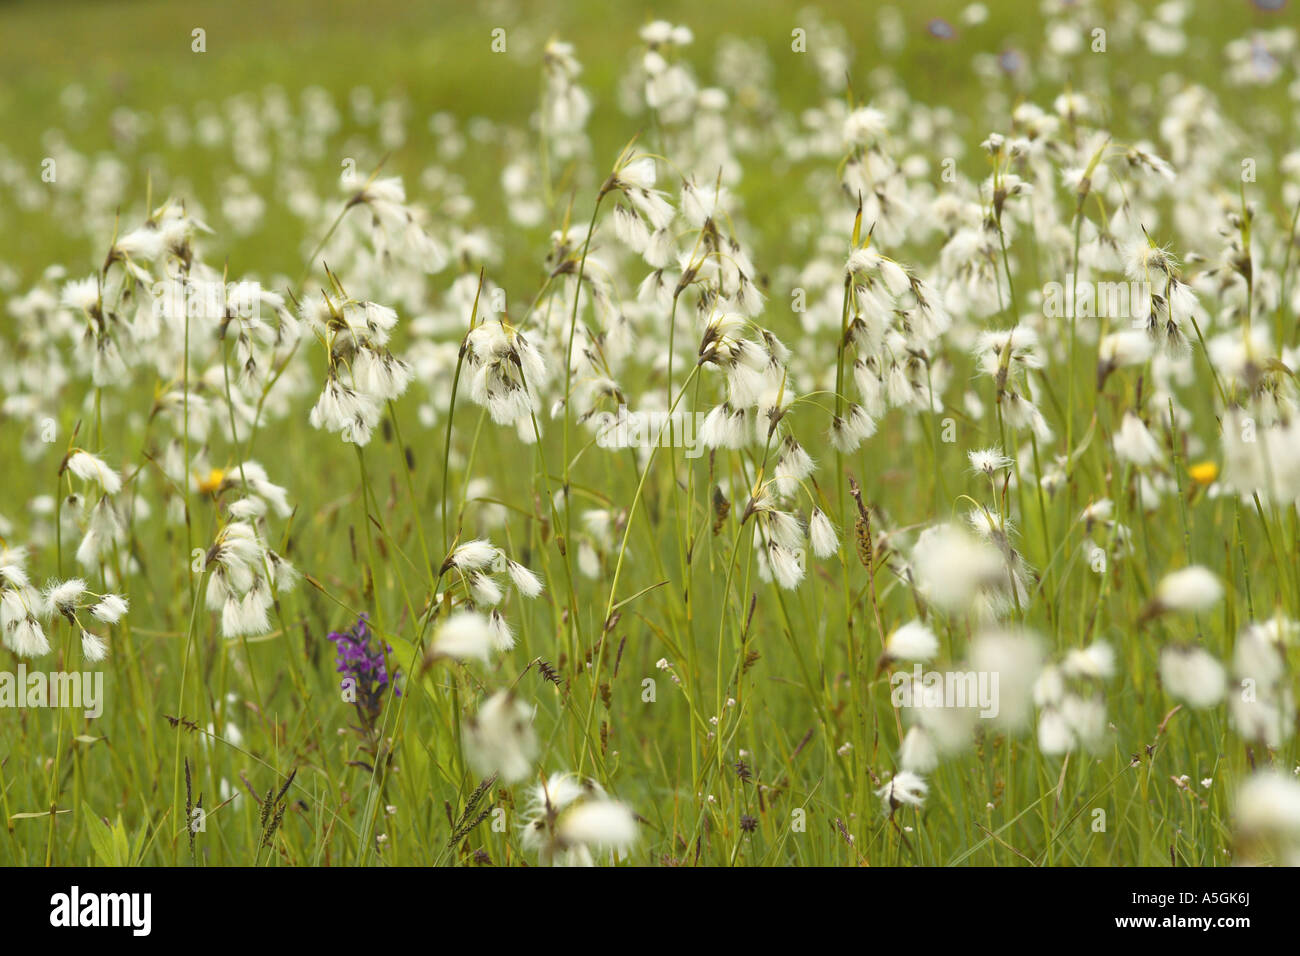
x=437, y=57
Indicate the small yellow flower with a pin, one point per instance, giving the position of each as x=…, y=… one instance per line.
x=212, y=481
x=1204, y=472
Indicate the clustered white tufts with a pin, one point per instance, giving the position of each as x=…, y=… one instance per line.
x=26, y=612
x=570, y=818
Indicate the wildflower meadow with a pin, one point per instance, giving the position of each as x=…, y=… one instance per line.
x=504, y=434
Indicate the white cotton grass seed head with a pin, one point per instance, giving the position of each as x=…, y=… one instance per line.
x=93, y=647
x=1085, y=715
x=1054, y=734
x=525, y=581
x=503, y=638
x=821, y=533
x=1194, y=588
x=1122, y=349
x=465, y=635
x=784, y=565
x=1097, y=660
x=484, y=589
x=950, y=567
x=90, y=467
x=246, y=615
x=917, y=754
x=1098, y=512
x=793, y=465
x=776, y=526
x=473, y=555
x=598, y=823
x=1049, y=689
x=110, y=609
x=1192, y=675
x=1011, y=662
x=904, y=789
x=569, y=816
x=724, y=427
x=63, y=597
x=1135, y=445
x=20, y=629
x=499, y=738
x=988, y=461
x=851, y=429
x=914, y=641
x=1267, y=819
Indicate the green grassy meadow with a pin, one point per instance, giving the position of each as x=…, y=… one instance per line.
x=768, y=738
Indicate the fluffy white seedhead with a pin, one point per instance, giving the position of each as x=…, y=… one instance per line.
x=917, y=754
x=63, y=597
x=93, y=647
x=905, y=789
x=500, y=738
x=1011, y=662
x=466, y=635
x=1097, y=660
x=528, y=583
x=1192, y=675
x=988, y=461
x=951, y=567
x=472, y=556
x=90, y=467
x=912, y=641
x=1192, y=589
x=1267, y=817
x=569, y=817
x=1134, y=443
x=821, y=534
